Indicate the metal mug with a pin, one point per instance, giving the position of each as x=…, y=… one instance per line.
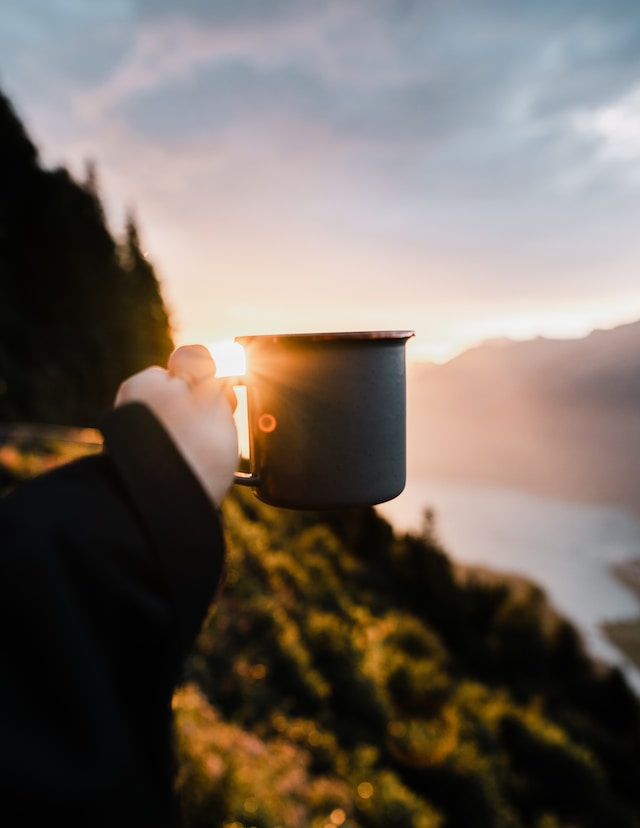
x=327, y=418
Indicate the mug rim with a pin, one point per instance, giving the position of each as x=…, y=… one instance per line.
x=325, y=336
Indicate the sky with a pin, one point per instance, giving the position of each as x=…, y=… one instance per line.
x=464, y=169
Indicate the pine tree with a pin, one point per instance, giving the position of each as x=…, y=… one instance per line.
x=145, y=305
x=76, y=315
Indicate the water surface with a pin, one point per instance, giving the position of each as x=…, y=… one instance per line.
x=565, y=547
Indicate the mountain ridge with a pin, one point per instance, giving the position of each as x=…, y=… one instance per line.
x=559, y=417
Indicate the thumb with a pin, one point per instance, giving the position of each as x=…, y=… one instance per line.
x=192, y=363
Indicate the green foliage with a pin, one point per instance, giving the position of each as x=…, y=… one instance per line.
x=79, y=311
x=323, y=692
x=229, y=776
x=408, y=693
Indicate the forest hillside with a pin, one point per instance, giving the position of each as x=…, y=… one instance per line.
x=350, y=671
x=348, y=675
x=79, y=309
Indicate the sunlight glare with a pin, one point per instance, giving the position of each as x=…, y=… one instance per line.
x=230, y=361
x=229, y=357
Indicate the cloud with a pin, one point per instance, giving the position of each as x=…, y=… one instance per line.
x=410, y=87
x=336, y=112
x=616, y=126
x=425, y=148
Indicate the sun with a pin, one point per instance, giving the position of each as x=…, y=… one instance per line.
x=229, y=358
x=230, y=361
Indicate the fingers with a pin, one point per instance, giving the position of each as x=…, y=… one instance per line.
x=195, y=365
x=140, y=385
x=192, y=363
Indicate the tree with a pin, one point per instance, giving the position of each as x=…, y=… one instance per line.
x=79, y=311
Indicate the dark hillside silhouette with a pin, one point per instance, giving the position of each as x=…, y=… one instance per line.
x=79, y=311
x=561, y=417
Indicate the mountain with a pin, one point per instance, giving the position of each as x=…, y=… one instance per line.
x=559, y=417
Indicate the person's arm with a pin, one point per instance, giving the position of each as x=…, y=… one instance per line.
x=194, y=408
x=175, y=518
x=107, y=567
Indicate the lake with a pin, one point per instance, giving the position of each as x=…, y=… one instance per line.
x=567, y=548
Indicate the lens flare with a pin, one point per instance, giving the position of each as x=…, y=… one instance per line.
x=267, y=423
x=229, y=357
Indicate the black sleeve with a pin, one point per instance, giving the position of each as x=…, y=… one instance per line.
x=107, y=568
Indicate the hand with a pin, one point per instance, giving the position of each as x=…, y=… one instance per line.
x=196, y=409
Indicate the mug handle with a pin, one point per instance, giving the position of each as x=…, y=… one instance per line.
x=241, y=478
x=246, y=479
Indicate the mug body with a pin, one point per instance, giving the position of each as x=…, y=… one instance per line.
x=327, y=418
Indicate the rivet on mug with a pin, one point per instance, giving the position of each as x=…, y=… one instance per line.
x=267, y=423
